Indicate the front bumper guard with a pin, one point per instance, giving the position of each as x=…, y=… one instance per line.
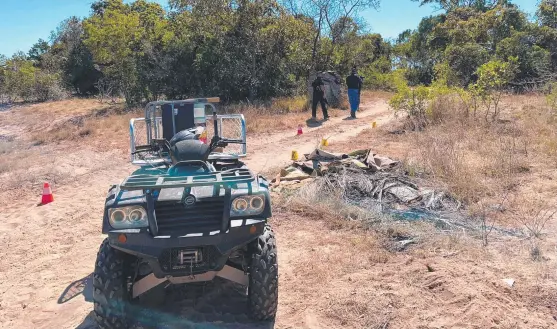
x=143, y=245
x=151, y=281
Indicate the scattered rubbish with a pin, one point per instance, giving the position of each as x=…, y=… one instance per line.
x=429, y=268
x=402, y=245
x=374, y=124
x=373, y=183
x=322, y=155
x=509, y=282
x=404, y=193
x=300, y=131
x=410, y=214
x=295, y=156
x=47, y=194
x=324, y=142
x=292, y=173
x=358, y=164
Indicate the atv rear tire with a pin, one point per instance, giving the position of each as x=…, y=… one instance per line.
x=110, y=293
x=263, y=277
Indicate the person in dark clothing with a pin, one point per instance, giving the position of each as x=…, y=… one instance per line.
x=318, y=97
x=354, y=84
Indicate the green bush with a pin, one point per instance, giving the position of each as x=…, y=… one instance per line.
x=48, y=87
x=412, y=101
x=431, y=105
x=492, y=78
x=379, y=75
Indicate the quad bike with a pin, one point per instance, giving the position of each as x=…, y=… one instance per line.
x=189, y=214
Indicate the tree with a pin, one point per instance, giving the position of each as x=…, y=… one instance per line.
x=38, y=50
x=464, y=61
x=113, y=35
x=449, y=5
x=72, y=57
x=534, y=62
x=419, y=51
x=547, y=13
x=19, y=74
x=332, y=17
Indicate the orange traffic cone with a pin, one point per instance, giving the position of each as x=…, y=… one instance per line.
x=47, y=194
x=300, y=130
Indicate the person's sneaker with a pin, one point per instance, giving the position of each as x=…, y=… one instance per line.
x=314, y=119
x=325, y=118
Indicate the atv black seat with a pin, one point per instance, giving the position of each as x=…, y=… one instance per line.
x=190, y=150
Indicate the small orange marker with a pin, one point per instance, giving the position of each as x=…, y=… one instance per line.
x=47, y=194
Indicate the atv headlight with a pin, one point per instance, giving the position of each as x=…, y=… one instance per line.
x=248, y=205
x=128, y=217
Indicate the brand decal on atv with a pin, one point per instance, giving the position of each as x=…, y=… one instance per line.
x=189, y=201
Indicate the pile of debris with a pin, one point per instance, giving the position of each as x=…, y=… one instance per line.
x=372, y=182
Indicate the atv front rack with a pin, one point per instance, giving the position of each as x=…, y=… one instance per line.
x=223, y=179
x=220, y=178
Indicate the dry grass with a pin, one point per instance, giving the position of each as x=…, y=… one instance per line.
x=75, y=119
x=275, y=115
x=534, y=216
x=479, y=161
x=68, y=107
x=104, y=126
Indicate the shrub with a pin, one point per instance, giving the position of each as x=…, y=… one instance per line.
x=492, y=78
x=379, y=76
x=413, y=101
x=48, y=87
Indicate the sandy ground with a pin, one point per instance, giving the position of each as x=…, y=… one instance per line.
x=330, y=276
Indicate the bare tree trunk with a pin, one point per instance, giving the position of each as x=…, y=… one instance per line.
x=316, y=39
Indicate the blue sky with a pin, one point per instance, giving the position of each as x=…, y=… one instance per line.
x=23, y=22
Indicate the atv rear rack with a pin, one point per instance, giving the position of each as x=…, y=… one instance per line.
x=221, y=178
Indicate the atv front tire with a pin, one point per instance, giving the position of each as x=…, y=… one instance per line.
x=110, y=293
x=263, y=277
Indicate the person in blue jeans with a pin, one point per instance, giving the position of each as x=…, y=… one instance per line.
x=354, y=84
